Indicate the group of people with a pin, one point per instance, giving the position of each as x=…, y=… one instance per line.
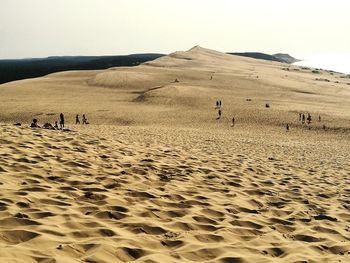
x=48, y=125
x=218, y=107
x=303, y=118
x=84, y=119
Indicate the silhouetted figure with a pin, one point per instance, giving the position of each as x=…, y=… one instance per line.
x=217, y=104
x=303, y=119
x=61, y=121
x=85, y=120
x=300, y=115
x=309, y=118
x=233, y=121
x=220, y=103
x=77, y=121
x=219, y=112
x=319, y=117
x=287, y=127
x=56, y=125
x=34, y=124
x=211, y=77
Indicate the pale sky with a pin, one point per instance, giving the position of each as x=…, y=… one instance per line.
x=40, y=28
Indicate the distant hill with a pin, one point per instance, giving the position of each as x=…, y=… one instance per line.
x=284, y=58
x=16, y=69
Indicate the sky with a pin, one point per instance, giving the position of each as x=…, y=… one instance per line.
x=40, y=28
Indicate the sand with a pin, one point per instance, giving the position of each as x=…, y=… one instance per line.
x=156, y=177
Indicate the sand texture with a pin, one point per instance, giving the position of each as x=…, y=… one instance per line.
x=156, y=177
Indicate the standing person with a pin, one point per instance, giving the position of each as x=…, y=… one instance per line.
x=309, y=118
x=220, y=103
x=233, y=121
x=61, y=121
x=77, y=121
x=303, y=119
x=319, y=117
x=287, y=127
x=84, y=119
x=300, y=116
x=217, y=104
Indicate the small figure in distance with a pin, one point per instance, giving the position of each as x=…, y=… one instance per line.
x=219, y=112
x=77, y=121
x=56, y=125
x=211, y=77
x=61, y=121
x=217, y=104
x=34, y=124
x=309, y=118
x=319, y=117
x=300, y=115
x=303, y=119
x=233, y=121
x=48, y=126
x=287, y=127
x=220, y=103
x=85, y=120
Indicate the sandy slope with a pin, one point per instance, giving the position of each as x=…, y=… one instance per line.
x=156, y=178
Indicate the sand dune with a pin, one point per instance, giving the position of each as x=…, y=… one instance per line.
x=156, y=178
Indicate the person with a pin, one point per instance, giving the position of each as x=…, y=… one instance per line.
x=217, y=104
x=34, y=124
x=85, y=119
x=287, y=127
x=220, y=103
x=61, y=121
x=77, y=121
x=309, y=118
x=233, y=121
x=48, y=126
x=300, y=116
x=303, y=119
x=319, y=117
x=56, y=125
x=219, y=114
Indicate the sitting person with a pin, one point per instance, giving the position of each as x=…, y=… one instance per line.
x=56, y=126
x=34, y=124
x=48, y=126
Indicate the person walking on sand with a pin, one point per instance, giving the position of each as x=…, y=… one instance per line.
x=233, y=121
x=77, y=121
x=61, y=121
x=303, y=119
x=287, y=127
x=84, y=119
x=219, y=112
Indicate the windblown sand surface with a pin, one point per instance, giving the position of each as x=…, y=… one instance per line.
x=156, y=178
